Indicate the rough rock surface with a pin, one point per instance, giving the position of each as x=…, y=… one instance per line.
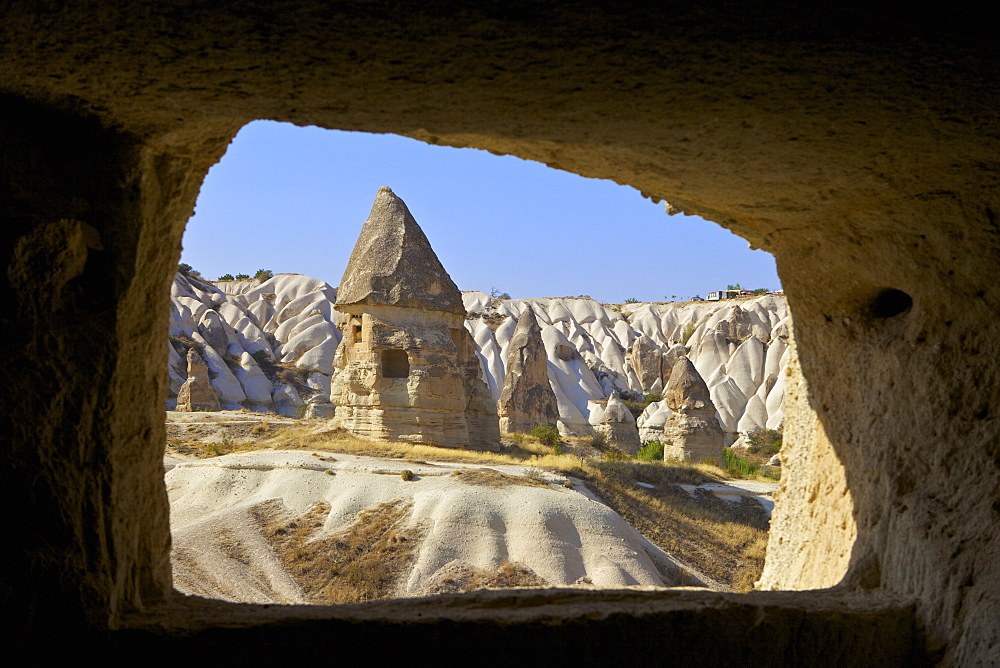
x=406, y=368
x=692, y=431
x=646, y=357
x=393, y=264
x=593, y=352
x=527, y=398
x=196, y=394
x=616, y=424
x=559, y=533
x=291, y=319
x=856, y=142
x=287, y=319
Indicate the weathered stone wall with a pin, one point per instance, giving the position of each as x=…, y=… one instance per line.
x=857, y=144
x=427, y=406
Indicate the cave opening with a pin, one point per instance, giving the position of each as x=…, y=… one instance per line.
x=236, y=227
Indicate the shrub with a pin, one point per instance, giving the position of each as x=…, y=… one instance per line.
x=517, y=437
x=764, y=442
x=406, y=475
x=549, y=435
x=650, y=452
x=231, y=361
x=188, y=270
x=546, y=434
x=631, y=300
x=687, y=332
x=615, y=455
x=739, y=467
x=242, y=277
x=535, y=474
x=226, y=277
x=263, y=274
x=652, y=397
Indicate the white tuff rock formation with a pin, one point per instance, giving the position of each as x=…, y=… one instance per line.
x=527, y=398
x=692, y=431
x=591, y=350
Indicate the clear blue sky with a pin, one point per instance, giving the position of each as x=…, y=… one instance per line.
x=294, y=199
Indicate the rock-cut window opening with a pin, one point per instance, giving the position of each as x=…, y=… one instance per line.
x=395, y=363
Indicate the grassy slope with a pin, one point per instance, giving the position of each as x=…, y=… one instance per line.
x=722, y=540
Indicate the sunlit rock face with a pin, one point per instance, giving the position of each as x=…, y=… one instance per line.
x=406, y=369
x=588, y=351
x=616, y=424
x=527, y=398
x=855, y=142
x=692, y=432
x=268, y=344
x=596, y=351
x=196, y=393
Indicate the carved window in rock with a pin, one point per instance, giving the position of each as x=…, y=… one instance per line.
x=356, y=331
x=395, y=363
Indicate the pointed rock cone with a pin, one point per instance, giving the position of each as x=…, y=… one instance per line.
x=392, y=263
x=692, y=431
x=618, y=426
x=196, y=394
x=406, y=367
x=686, y=390
x=527, y=398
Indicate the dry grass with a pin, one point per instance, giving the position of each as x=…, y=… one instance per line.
x=337, y=440
x=725, y=541
x=363, y=563
x=722, y=540
x=464, y=578
x=491, y=478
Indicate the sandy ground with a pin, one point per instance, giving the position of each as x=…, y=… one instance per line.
x=545, y=523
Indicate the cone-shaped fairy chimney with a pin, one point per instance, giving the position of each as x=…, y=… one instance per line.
x=692, y=431
x=527, y=398
x=406, y=368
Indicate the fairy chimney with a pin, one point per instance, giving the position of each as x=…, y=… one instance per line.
x=527, y=398
x=197, y=394
x=617, y=424
x=692, y=431
x=406, y=368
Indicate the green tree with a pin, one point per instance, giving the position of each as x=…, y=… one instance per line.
x=226, y=277
x=188, y=270
x=263, y=274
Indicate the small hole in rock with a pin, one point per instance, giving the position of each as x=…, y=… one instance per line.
x=890, y=302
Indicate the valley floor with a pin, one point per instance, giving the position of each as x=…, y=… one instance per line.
x=287, y=511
